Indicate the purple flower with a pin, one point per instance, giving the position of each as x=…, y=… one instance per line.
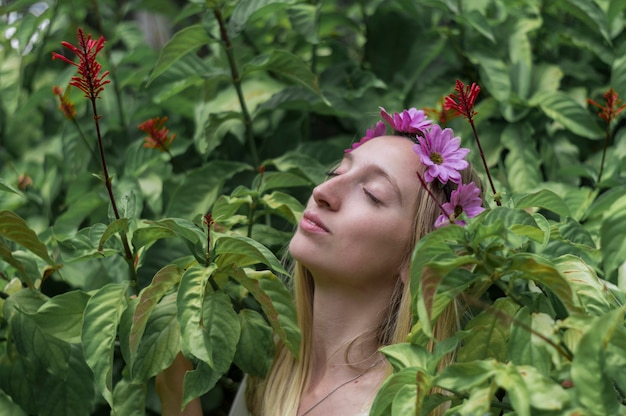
x=378, y=130
x=409, y=121
x=441, y=154
x=463, y=200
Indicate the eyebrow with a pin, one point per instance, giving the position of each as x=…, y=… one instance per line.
x=378, y=170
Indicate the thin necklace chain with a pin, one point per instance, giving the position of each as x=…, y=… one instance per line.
x=358, y=376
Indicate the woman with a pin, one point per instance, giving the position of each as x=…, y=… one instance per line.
x=352, y=250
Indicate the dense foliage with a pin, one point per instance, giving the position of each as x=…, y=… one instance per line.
x=110, y=263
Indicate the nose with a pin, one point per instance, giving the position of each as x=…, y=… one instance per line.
x=327, y=194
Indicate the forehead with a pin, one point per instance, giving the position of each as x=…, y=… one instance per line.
x=394, y=155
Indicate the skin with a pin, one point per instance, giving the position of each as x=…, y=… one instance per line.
x=355, y=232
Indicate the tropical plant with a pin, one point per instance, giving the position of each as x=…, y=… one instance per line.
x=110, y=263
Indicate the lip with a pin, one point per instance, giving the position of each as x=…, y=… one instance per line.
x=312, y=223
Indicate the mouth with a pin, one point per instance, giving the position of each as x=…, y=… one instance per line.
x=312, y=222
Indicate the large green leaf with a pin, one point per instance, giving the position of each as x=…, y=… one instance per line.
x=117, y=226
x=465, y=376
x=212, y=128
x=285, y=205
x=200, y=189
x=612, y=232
x=183, y=42
x=161, y=283
x=210, y=327
x=522, y=161
x=168, y=228
x=276, y=303
x=404, y=355
x=594, y=389
x=62, y=315
x=71, y=393
x=14, y=228
x=286, y=65
x=543, y=392
x=100, y=322
x=160, y=342
x=255, y=350
x=565, y=110
x=244, y=251
x=129, y=399
x=542, y=199
x=245, y=10
x=385, y=397
x=509, y=378
x=525, y=347
x=198, y=381
x=489, y=333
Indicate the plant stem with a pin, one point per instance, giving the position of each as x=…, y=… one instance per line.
x=430, y=193
x=107, y=183
x=247, y=120
x=482, y=156
x=606, y=144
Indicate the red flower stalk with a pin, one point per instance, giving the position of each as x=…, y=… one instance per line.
x=65, y=105
x=158, y=134
x=89, y=80
x=612, y=108
x=443, y=115
x=608, y=113
x=463, y=101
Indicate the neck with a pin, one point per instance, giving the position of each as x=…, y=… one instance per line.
x=344, y=330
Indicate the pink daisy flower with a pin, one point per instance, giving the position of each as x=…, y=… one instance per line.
x=463, y=200
x=408, y=121
x=378, y=130
x=442, y=155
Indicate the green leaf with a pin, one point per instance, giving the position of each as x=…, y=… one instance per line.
x=465, y=376
x=14, y=228
x=522, y=161
x=11, y=408
x=160, y=342
x=212, y=128
x=526, y=347
x=101, y=318
x=183, y=42
x=245, y=10
x=200, y=188
x=6, y=255
x=286, y=65
x=544, y=198
x=71, y=393
x=612, y=241
x=275, y=180
x=508, y=377
x=404, y=355
x=565, y=110
x=244, y=251
x=489, y=333
x=255, y=350
x=62, y=315
x=198, y=381
x=162, y=282
x=48, y=352
x=285, y=205
x=592, y=293
x=386, y=395
x=117, y=226
x=210, y=327
x=543, y=392
x=304, y=20
x=276, y=302
x=168, y=228
x=594, y=389
x=129, y=399
x=478, y=22
x=4, y=186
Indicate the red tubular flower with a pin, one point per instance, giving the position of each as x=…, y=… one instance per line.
x=463, y=101
x=159, y=137
x=65, y=105
x=612, y=108
x=89, y=80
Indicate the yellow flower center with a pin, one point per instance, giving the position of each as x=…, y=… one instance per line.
x=436, y=158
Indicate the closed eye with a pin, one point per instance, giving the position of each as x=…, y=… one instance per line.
x=371, y=196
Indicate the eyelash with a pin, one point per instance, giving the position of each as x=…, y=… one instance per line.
x=376, y=201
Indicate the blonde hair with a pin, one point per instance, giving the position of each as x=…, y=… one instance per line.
x=279, y=393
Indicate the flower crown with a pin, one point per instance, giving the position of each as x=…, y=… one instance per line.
x=443, y=157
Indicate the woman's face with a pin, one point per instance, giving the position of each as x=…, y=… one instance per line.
x=358, y=224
